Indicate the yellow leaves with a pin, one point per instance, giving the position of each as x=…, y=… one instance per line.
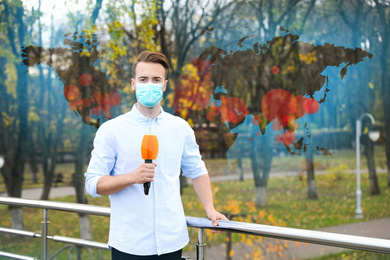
x=232, y=207
x=115, y=29
x=191, y=122
x=251, y=206
x=309, y=57
x=190, y=71
x=10, y=82
x=215, y=189
x=370, y=85
x=337, y=172
x=88, y=33
x=7, y=120
x=271, y=219
x=33, y=116
x=85, y=54
x=261, y=214
x=231, y=253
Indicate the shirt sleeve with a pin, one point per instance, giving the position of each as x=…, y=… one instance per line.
x=192, y=164
x=102, y=160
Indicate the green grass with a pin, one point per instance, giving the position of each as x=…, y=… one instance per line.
x=287, y=200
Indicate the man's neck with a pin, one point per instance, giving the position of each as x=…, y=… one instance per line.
x=151, y=112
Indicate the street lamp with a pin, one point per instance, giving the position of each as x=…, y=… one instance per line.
x=374, y=136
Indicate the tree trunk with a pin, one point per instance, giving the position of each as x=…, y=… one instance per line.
x=261, y=196
x=311, y=184
x=48, y=178
x=85, y=227
x=369, y=153
x=183, y=183
x=17, y=218
x=386, y=104
x=261, y=161
x=78, y=179
x=32, y=160
x=239, y=169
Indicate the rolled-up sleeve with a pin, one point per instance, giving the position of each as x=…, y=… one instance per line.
x=102, y=161
x=192, y=164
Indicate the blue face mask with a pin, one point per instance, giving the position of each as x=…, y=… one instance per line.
x=149, y=94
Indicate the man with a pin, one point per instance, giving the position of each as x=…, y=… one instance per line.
x=149, y=226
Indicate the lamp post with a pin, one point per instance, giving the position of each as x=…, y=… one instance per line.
x=374, y=136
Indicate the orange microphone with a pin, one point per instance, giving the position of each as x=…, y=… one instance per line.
x=149, y=151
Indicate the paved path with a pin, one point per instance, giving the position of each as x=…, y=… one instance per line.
x=55, y=192
x=247, y=176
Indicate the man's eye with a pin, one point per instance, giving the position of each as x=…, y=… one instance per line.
x=157, y=80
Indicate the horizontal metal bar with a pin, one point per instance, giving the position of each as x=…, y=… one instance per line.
x=15, y=256
x=18, y=232
x=68, y=240
x=301, y=235
x=62, y=206
x=79, y=242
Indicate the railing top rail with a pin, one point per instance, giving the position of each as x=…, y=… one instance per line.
x=54, y=205
x=302, y=235
x=295, y=234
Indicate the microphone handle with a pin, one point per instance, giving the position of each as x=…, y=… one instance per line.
x=147, y=184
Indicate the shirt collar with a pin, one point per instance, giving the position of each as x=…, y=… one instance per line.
x=143, y=119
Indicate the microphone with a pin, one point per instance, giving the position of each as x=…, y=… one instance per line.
x=149, y=151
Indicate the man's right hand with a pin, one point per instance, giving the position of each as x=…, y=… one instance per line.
x=111, y=184
x=144, y=173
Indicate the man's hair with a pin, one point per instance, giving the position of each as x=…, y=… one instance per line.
x=152, y=57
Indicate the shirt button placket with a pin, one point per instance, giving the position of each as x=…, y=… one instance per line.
x=155, y=188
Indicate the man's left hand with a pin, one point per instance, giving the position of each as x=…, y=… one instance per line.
x=214, y=216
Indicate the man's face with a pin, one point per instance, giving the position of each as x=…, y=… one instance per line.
x=149, y=72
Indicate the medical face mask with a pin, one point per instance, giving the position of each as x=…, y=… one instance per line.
x=149, y=94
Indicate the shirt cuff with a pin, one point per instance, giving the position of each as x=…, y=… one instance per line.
x=91, y=184
x=196, y=171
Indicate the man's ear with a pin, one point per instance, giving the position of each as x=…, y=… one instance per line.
x=165, y=85
x=133, y=84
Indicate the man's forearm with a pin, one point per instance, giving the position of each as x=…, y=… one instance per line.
x=202, y=187
x=108, y=185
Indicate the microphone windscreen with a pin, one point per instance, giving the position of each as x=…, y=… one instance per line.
x=149, y=147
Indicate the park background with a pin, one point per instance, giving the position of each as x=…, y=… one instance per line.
x=65, y=68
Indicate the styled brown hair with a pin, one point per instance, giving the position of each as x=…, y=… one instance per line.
x=152, y=57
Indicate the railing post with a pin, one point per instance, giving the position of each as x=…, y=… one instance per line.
x=201, y=246
x=44, y=231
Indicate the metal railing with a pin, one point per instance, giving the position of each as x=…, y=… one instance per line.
x=301, y=235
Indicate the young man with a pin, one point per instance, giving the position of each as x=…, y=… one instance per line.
x=149, y=226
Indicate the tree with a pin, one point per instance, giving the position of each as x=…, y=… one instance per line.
x=353, y=14
x=383, y=12
x=15, y=135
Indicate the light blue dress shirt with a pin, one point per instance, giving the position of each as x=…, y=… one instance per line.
x=146, y=224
